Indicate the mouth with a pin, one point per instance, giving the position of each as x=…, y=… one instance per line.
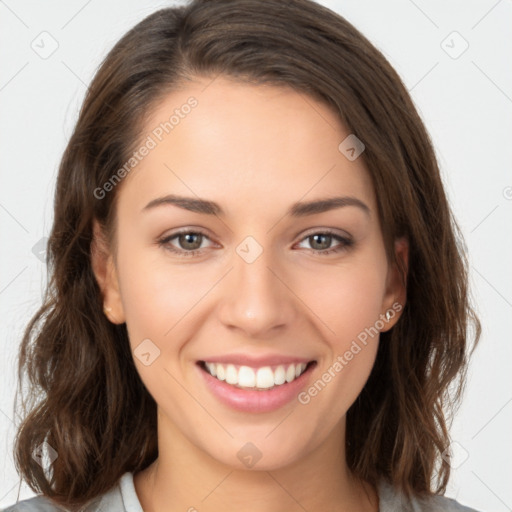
x=263, y=378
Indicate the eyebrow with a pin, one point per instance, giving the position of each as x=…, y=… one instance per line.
x=299, y=209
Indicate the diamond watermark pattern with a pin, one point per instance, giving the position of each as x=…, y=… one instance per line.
x=454, y=45
x=249, y=454
x=39, y=249
x=146, y=352
x=351, y=147
x=44, y=455
x=455, y=455
x=249, y=249
x=45, y=45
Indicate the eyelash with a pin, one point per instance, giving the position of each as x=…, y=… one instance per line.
x=346, y=243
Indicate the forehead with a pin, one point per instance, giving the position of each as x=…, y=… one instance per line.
x=245, y=146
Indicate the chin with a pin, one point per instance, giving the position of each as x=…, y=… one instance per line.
x=258, y=450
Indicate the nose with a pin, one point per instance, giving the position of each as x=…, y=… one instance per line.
x=257, y=299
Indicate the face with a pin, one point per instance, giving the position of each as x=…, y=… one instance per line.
x=259, y=287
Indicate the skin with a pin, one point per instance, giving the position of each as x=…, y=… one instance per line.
x=255, y=150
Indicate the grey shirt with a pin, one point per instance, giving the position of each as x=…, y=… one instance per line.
x=123, y=498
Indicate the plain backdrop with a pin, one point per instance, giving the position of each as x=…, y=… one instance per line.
x=454, y=58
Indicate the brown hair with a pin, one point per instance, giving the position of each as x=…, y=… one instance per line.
x=86, y=398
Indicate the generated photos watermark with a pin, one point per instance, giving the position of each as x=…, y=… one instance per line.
x=150, y=142
x=304, y=397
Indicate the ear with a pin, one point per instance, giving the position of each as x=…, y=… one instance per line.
x=104, y=269
x=396, y=285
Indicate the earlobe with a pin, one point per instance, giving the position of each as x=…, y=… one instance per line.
x=106, y=276
x=396, y=287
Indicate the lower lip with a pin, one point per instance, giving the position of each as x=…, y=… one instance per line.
x=253, y=400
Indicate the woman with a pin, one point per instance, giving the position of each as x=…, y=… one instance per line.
x=258, y=293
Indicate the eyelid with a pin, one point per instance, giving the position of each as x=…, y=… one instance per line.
x=330, y=231
x=186, y=230
x=183, y=231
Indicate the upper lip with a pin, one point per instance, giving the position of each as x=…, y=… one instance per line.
x=265, y=360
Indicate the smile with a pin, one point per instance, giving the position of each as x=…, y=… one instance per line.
x=255, y=384
x=262, y=378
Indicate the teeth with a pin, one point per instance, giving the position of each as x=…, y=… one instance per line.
x=221, y=372
x=246, y=377
x=261, y=378
x=290, y=373
x=231, y=374
x=279, y=376
x=212, y=368
x=265, y=378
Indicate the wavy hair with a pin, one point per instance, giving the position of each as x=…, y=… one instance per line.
x=85, y=397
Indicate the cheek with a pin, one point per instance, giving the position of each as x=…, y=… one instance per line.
x=339, y=382
x=350, y=309
x=157, y=293
x=159, y=301
x=347, y=298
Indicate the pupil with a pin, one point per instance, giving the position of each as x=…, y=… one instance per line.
x=187, y=238
x=325, y=237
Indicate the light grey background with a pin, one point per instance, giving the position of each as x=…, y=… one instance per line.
x=464, y=98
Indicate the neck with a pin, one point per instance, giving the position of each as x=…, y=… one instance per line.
x=185, y=478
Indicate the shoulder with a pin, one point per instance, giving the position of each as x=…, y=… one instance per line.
x=393, y=500
x=117, y=499
x=38, y=503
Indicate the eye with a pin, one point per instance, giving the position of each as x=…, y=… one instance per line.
x=322, y=240
x=190, y=242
